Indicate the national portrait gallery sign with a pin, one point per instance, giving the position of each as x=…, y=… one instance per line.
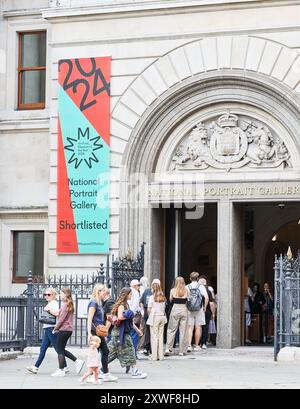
x=166, y=192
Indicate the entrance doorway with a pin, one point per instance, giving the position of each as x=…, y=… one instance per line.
x=190, y=245
x=258, y=230
x=269, y=229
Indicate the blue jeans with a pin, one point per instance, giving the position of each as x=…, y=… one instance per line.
x=48, y=340
x=135, y=338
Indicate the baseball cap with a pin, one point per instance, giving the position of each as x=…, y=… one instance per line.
x=156, y=281
x=134, y=282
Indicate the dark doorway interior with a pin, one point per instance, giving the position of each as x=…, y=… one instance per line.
x=199, y=245
x=269, y=229
x=190, y=245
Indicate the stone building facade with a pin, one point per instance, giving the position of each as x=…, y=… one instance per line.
x=207, y=88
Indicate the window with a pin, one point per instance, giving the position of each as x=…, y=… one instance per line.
x=28, y=254
x=32, y=70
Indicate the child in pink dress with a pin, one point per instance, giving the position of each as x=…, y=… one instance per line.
x=93, y=361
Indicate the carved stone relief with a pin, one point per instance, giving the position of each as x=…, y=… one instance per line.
x=230, y=142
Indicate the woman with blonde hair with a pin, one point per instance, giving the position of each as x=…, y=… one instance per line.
x=178, y=317
x=51, y=309
x=157, y=320
x=96, y=317
x=64, y=327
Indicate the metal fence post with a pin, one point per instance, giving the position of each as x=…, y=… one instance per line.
x=142, y=253
x=276, y=283
x=280, y=286
x=21, y=325
x=288, y=304
x=29, y=312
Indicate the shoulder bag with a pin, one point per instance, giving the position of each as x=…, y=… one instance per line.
x=47, y=318
x=101, y=330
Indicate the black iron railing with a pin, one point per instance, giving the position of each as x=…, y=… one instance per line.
x=287, y=302
x=19, y=316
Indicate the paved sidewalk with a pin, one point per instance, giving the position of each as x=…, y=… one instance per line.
x=239, y=368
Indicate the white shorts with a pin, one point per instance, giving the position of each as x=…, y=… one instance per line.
x=196, y=318
x=248, y=319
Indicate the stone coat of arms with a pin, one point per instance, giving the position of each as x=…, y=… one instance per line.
x=229, y=143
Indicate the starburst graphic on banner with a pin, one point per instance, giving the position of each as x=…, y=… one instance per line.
x=83, y=148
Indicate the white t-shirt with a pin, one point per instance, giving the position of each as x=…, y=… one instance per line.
x=195, y=284
x=54, y=306
x=158, y=307
x=134, y=303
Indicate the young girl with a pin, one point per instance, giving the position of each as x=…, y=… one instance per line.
x=64, y=327
x=93, y=361
x=121, y=345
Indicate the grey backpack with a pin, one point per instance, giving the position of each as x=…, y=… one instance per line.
x=194, y=301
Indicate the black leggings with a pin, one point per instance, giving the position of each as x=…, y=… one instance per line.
x=62, y=339
x=204, y=335
x=104, y=353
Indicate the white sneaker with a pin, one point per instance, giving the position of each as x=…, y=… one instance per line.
x=32, y=369
x=59, y=373
x=107, y=377
x=181, y=354
x=189, y=349
x=197, y=348
x=66, y=369
x=167, y=352
x=78, y=365
x=204, y=346
x=137, y=374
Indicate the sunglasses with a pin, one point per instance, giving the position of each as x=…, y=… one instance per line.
x=47, y=295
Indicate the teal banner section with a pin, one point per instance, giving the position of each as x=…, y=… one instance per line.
x=87, y=163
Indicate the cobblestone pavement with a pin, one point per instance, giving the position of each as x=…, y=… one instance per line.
x=240, y=368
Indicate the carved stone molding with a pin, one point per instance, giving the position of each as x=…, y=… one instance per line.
x=230, y=141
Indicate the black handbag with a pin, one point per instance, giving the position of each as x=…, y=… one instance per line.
x=47, y=318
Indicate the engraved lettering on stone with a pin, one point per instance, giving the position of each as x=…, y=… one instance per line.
x=230, y=142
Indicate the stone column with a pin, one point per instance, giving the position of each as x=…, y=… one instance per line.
x=229, y=274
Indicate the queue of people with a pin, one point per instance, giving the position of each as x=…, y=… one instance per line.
x=260, y=304
x=137, y=319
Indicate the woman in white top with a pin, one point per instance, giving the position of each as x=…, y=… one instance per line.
x=49, y=338
x=157, y=320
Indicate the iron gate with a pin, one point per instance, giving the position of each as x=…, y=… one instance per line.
x=12, y=322
x=287, y=302
x=19, y=317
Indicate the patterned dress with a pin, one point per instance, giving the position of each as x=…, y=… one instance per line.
x=120, y=345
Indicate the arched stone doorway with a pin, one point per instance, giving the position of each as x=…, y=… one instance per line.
x=160, y=110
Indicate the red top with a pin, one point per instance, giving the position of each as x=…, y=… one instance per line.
x=65, y=319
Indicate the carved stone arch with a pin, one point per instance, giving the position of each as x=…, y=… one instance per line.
x=186, y=80
x=243, y=53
